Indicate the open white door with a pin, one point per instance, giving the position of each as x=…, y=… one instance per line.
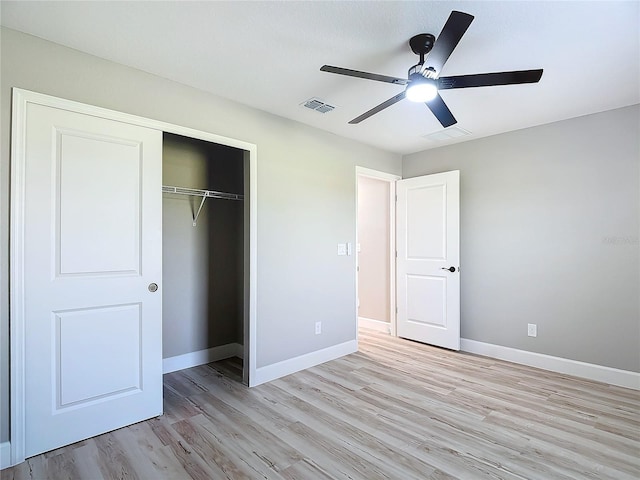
x=92, y=254
x=428, y=243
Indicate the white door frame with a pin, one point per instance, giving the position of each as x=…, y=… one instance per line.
x=391, y=179
x=21, y=98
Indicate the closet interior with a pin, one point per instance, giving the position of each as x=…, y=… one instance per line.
x=205, y=252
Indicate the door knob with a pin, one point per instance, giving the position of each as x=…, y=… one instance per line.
x=451, y=269
x=153, y=287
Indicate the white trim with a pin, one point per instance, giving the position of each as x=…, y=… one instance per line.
x=201, y=357
x=368, y=172
x=16, y=278
x=393, y=306
x=293, y=365
x=392, y=179
x=16, y=257
x=591, y=371
x=251, y=348
x=377, y=325
x=5, y=455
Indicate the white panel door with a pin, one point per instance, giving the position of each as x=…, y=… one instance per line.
x=428, y=243
x=93, y=244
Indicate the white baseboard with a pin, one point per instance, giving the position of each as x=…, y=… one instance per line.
x=599, y=373
x=193, y=359
x=377, y=325
x=286, y=367
x=5, y=455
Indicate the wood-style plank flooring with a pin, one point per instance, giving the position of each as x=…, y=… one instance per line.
x=394, y=410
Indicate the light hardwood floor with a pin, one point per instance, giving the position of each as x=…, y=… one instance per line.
x=394, y=410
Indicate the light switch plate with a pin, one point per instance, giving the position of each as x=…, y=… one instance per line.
x=342, y=249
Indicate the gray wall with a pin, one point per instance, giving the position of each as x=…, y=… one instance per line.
x=306, y=191
x=549, y=235
x=202, y=266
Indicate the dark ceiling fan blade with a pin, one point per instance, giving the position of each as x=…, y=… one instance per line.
x=490, y=79
x=451, y=33
x=379, y=108
x=441, y=111
x=366, y=75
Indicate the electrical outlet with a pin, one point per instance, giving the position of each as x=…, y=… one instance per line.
x=532, y=329
x=318, y=328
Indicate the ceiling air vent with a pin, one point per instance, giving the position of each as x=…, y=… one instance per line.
x=318, y=105
x=447, y=134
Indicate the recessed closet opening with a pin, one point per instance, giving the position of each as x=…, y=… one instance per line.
x=205, y=255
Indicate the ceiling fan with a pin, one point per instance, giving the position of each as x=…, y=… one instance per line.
x=424, y=81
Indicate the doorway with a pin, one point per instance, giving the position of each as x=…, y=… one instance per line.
x=375, y=250
x=408, y=256
x=203, y=234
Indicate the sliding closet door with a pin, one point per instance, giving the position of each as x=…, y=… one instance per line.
x=92, y=272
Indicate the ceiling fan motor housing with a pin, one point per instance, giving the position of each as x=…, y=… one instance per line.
x=422, y=70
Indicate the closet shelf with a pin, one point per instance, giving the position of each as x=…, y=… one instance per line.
x=201, y=193
x=194, y=192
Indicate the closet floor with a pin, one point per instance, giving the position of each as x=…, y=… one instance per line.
x=229, y=367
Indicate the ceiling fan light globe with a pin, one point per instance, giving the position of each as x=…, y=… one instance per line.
x=422, y=91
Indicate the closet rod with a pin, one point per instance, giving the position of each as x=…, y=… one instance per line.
x=194, y=192
x=201, y=193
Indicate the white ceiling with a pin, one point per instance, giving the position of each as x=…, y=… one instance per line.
x=268, y=55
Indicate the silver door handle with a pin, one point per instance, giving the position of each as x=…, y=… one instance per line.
x=153, y=287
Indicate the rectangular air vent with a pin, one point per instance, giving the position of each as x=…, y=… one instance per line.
x=447, y=134
x=318, y=105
